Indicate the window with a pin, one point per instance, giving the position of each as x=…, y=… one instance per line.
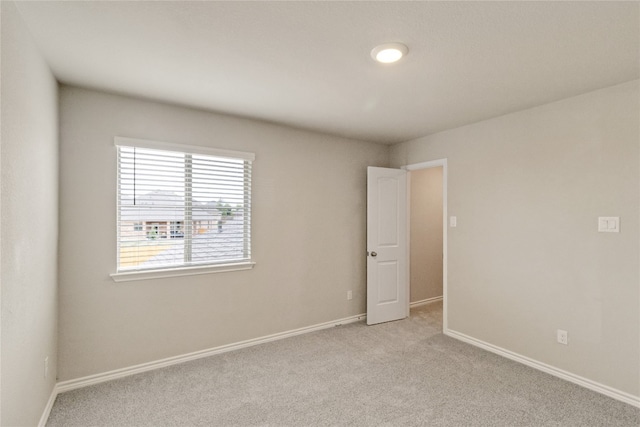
x=182, y=207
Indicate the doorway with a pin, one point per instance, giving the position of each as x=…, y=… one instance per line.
x=389, y=241
x=427, y=234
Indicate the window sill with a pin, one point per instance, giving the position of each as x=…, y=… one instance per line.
x=128, y=276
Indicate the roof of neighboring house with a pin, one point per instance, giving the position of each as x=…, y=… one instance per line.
x=164, y=206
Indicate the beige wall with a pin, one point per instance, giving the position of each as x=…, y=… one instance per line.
x=309, y=214
x=28, y=225
x=526, y=258
x=426, y=233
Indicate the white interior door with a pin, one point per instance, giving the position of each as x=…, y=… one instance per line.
x=387, y=278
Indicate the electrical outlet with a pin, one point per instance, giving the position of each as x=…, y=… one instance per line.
x=349, y=295
x=563, y=337
x=46, y=366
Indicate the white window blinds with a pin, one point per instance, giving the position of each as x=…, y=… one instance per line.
x=181, y=206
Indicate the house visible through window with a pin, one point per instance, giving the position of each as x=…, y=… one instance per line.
x=181, y=206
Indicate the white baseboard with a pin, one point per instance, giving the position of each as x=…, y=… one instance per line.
x=144, y=367
x=47, y=409
x=157, y=364
x=425, y=301
x=568, y=376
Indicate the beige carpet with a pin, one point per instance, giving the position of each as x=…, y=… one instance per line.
x=403, y=373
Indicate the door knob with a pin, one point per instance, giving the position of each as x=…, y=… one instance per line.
x=374, y=254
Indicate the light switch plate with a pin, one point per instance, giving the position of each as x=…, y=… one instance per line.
x=609, y=224
x=453, y=221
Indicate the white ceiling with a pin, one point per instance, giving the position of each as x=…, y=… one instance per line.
x=307, y=64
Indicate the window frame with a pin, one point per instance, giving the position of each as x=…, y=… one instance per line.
x=182, y=270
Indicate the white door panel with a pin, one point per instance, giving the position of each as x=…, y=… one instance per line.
x=387, y=279
x=387, y=274
x=387, y=212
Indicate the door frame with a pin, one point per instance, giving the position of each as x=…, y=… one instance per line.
x=428, y=165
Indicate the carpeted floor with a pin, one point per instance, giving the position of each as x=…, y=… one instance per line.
x=403, y=373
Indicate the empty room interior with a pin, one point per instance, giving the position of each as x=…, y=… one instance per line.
x=191, y=191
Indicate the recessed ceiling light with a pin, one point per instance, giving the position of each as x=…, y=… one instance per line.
x=389, y=52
